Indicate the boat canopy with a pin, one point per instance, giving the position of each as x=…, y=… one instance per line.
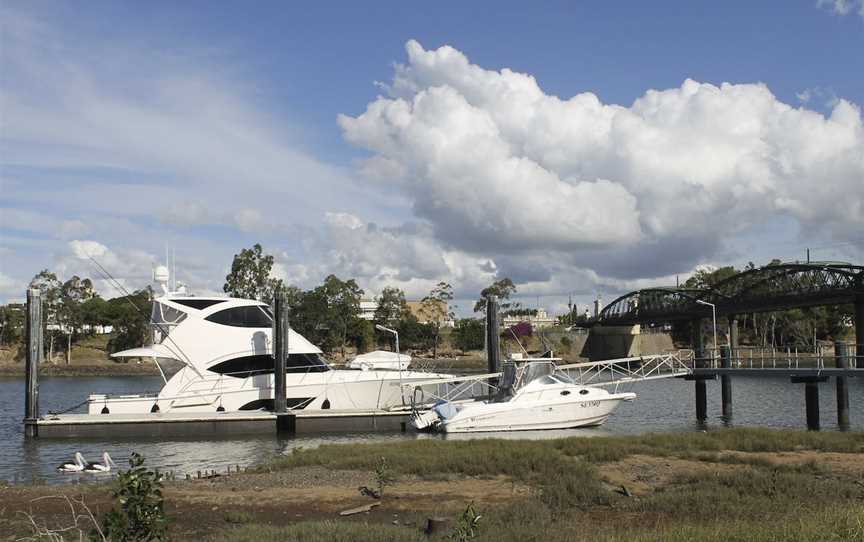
x=152, y=351
x=381, y=359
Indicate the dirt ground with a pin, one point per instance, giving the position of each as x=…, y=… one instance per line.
x=642, y=474
x=275, y=498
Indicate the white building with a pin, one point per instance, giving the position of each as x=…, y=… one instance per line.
x=539, y=319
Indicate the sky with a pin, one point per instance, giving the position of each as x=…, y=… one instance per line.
x=582, y=149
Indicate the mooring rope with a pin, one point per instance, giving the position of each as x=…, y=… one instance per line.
x=70, y=409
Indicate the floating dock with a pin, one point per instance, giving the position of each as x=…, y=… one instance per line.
x=217, y=424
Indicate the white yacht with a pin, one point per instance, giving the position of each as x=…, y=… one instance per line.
x=532, y=394
x=224, y=345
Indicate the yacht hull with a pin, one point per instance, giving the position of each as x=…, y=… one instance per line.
x=335, y=389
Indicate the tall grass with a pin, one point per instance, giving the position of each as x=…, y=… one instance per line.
x=490, y=457
x=754, y=500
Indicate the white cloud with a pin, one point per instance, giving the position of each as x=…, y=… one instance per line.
x=843, y=7
x=11, y=288
x=496, y=164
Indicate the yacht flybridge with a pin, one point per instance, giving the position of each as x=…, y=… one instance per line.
x=225, y=347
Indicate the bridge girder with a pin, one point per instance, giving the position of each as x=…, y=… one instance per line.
x=770, y=288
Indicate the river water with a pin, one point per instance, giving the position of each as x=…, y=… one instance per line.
x=661, y=405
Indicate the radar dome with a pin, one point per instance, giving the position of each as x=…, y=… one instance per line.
x=161, y=274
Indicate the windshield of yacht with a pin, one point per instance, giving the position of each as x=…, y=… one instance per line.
x=163, y=318
x=247, y=316
x=564, y=378
x=163, y=314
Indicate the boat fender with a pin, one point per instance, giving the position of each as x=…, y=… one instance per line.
x=325, y=405
x=220, y=408
x=154, y=408
x=104, y=410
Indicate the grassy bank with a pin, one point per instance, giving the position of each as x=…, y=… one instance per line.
x=89, y=358
x=731, y=484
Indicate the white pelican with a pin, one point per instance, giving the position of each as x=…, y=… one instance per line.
x=76, y=465
x=105, y=466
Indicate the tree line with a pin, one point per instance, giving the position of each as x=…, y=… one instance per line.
x=73, y=310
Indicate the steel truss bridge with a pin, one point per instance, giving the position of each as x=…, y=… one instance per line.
x=770, y=288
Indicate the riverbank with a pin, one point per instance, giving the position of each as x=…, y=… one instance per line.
x=731, y=484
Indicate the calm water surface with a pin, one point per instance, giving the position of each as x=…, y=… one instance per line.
x=662, y=405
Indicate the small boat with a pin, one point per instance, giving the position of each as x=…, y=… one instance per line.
x=381, y=360
x=76, y=465
x=105, y=466
x=532, y=394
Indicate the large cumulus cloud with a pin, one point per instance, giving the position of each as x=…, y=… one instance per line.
x=495, y=164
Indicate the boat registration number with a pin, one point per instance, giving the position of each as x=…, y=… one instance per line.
x=589, y=404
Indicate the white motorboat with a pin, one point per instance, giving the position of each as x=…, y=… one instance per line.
x=532, y=394
x=224, y=346
x=381, y=359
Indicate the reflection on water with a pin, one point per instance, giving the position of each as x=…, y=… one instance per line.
x=661, y=405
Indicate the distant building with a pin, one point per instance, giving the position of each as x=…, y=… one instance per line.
x=439, y=312
x=539, y=319
x=367, y=309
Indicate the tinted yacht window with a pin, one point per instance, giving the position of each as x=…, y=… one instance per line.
x=198, y=303
x=249, y=316
x=245, y=366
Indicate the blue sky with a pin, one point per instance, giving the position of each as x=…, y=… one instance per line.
x=129, y=127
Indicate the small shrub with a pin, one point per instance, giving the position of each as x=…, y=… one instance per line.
x=383, y=476
x=141, y=515
x=467, y=525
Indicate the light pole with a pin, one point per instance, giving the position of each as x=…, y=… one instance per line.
x=398, y=357
x=714, y=320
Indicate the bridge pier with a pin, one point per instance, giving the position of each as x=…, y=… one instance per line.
x=841, y=359
x=811, y=398
x=726, y=384
x=733, y=332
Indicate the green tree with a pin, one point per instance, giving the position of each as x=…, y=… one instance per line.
x=130, y=318
x=94, y=313
x=250, y=275
x=49, y=285
x=11, y=324
x=436, y=309
x=413, y=334
x=468, y=334
x=73, y=294
x=391, y=307
x=503, y=288
x=325, y=314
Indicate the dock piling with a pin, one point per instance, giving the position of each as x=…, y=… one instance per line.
x=280, y=353
x=493, y=350
x=811, y=398
x=841, y=359
x=726, y=383
x=34, y=358
x=699, y=362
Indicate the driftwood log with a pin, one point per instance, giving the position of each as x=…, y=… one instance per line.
x=359, y=509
